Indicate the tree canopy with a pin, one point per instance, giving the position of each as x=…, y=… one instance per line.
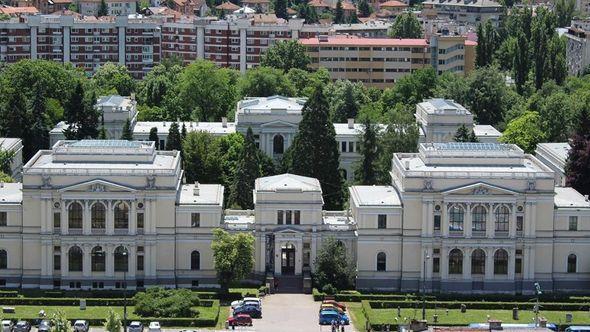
x=286, y=55
x=333, y=266
x=406, y=25
x=233, y=256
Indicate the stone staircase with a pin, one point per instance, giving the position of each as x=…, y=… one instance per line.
x=290, y=284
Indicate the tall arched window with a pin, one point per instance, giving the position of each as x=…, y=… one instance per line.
x=75, y=216
x=121, y=259
x=502, y=217
x=278, y=144
x=98, y=259
x=381, y=261
x=121, y=216
x=455, y=261
x=479, y=219
x=98, y=216
x=456, y=215
x=75, y=257
x=195, y=260
x=572, y=263
x=478, y=262
x=501, y=262
x=3, y=259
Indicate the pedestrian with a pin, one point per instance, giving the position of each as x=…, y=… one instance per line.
x=334, y=326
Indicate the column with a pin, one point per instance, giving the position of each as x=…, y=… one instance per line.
x=533, y=219
x=526, y=261
x=444, y=263
x=531, y=260
x=132, y=260
x=511, y=257
x=110, y=229
x=527, y=219
x=430, y=216
x=468, y=221
x=299, y=256
x=200, y=42
x=45, y=227
x=64, y=261
x=490, y=222
x=425, y=220
x=512, y=225
x=44, y=251
x=466, y=263
x=277, y=257
x=151, y=225
x=86, y=219
x=33, y=42
x=109, y=260
x=133, y=218
x=314, y=247
x=243, y=47
x=262, y=257
x=428, y=263
x=64, y=218
x=86, y=261
x=153, y=256
x=445, y=220
x=489, y=271
x=121, y=38
x=66, y=43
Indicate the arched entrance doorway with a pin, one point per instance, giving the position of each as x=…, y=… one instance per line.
x=287, y=259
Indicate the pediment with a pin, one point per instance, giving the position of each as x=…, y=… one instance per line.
x=97, y=185
x=287, y=230
x=479, y=188
x=279, y=124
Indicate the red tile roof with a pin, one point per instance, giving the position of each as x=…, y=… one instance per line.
x=357, y=41
x=393, y=3
x=228, y=6
x=8, y=10
x=470, y=43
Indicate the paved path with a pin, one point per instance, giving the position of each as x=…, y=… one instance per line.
x=290, y=313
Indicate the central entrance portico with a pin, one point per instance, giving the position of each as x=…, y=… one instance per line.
x=288, y=259
x=288, y=246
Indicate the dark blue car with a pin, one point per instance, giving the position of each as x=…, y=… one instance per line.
x=252, y=311
x=329, y=316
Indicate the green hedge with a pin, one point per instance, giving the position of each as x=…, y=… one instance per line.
x=65, y=301
x=481, y=305
x=8, y=293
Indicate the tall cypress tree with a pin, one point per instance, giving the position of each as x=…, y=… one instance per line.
x=174, y=141
x=73, y=108
x=281, y=8
x=39, y=134
x=102, y=133
x=366, y=171
x=247, y=172
x=183, y=131
x=314, y=152
x=521, y=62
x=339, y=13
x=88, y=125
x=154, y=136
x=127, y=134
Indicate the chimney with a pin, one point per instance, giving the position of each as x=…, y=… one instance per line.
x=196, y=191
x=407, y=165
x=224, y=122
x=351, y=123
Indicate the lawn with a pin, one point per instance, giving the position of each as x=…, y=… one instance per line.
x=355, y=313
x=94, y=312
x=455, y=317
x=223, y=314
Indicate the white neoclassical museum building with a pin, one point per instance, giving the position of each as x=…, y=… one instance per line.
x=478, y=217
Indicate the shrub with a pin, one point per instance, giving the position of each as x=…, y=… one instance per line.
x=167, y=303
x=328, y=289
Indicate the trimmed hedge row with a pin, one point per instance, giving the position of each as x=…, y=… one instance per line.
x=480, y=305
x=6, y=293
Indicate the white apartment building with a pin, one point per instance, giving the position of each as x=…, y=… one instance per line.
x=476, y=217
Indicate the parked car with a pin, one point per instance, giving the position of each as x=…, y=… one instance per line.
x=239, y=320
x=329, y=316
x=44, y=326
x=7, y=325
x=81, y=326
x=135, y=327
x=335, y=303
x=154, y=327
x=253, y=299
x=326, y=306
x=236, y=303
x=22, y=326
x=250, y=310
x=578, y=329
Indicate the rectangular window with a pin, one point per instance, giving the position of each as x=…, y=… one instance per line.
x=57, y=262
x=382, y=221
x=437, y=222
x=140, y=220
x=350, y=146
x=343, y=146
x=162, y=144
x=56, y=219
x=195, y=220
x=518, y=265
x=3, y=219
x=139, y=262
x=279, y=217
x=297, y=217
x=288, y=217
x=573, y=223
x=435, y=265
x=519, y=223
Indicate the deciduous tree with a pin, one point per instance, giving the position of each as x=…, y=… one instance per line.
x=264, y=82
x=154, y=136
x=233, y=256
x=524, y=131
x=333, y=266
x=112, y=322
x=112, y=78
x=406, y=25
x=286, y=55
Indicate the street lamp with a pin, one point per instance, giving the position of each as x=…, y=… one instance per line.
x=426, y=257
x=124, y=253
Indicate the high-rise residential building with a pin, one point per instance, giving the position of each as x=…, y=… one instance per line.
x=578, y=47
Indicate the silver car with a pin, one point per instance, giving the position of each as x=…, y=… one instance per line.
x=135, y=327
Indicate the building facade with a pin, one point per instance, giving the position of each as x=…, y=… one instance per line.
x=475, y=217
x=578, y=47
x=555, y=156
x=467, y=11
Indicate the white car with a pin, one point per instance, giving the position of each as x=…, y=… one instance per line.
x=237, y=303
x=7, y=326
x=81, y=326
x=154, y=327
x=253, y=299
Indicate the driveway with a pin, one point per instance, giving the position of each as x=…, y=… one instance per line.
x=290, y=313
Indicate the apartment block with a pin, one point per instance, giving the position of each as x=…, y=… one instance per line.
x=578, y=47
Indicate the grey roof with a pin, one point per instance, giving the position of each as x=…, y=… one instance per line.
x=266, y=104
x=567, y=197
x=87, y=143
x=113, y=100
x=443, y=107
x=559, y=151
x=375, y=196
x=208, y=194
x=287, y=182
x=11, y=193
x=464, y=3
x=464, y=146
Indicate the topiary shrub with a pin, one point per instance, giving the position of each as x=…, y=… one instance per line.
x=167, y=303
x=329, y=289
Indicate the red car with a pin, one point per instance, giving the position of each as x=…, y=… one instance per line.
x=239, y=320
x=336, y=304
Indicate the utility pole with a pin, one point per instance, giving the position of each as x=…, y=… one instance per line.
x=426, y=257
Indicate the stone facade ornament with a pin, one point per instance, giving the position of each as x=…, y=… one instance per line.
x=151, y=182
x=480, y=191
x=97, y=187
x=428, y=184
x=532, y=185
x=46, y=181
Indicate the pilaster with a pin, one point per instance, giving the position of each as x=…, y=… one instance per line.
x=468, y=221
x=490, y=222
x=86, y=260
